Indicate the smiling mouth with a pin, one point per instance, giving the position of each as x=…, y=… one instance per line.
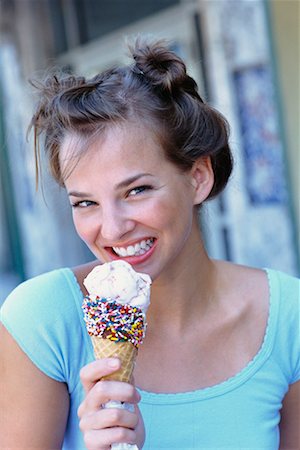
x=138, y=249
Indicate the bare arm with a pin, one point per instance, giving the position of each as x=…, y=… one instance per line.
x=290, y=419
x=34, y=408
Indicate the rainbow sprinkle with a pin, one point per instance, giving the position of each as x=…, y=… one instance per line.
x=109, y=319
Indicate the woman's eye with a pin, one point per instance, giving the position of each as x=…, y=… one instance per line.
x=82, y=204
x=138, y=190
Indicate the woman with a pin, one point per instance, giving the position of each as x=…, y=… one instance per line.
x=138, y=152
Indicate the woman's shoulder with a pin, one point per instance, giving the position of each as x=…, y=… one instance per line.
x=44, y=317
x=287, y=285
x=265, y=293
x=243, y=282
x=285, y=300
x=42, y=295
x=257, y=290
x=252, y=281
x=42, y=284
x=267, y=303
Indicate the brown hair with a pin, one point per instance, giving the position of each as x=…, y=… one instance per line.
x=155, y=90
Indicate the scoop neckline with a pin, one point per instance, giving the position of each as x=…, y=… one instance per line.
x=236, y=380
x=239, y=378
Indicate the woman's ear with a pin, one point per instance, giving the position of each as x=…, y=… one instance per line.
x=202, y=179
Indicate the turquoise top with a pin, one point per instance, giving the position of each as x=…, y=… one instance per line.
x=44, y=316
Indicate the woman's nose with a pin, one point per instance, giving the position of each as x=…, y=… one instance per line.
x=115, y=224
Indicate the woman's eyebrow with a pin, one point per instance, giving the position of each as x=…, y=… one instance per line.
x=78, y=194
x=132, y=179
x=120, y=185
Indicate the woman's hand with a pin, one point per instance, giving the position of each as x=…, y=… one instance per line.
x=102, y=427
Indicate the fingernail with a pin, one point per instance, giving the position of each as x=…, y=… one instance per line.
x=113, y=363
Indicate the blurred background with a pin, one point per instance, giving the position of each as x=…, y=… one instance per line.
x=244, y=55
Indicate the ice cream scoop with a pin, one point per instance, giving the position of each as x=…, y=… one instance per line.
x=119, y=281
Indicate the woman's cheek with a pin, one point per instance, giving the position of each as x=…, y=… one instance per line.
x=152, y=211
x=85, y=228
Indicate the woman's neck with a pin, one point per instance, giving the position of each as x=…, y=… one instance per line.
x=179, y=298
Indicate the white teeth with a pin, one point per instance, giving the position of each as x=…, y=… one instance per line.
x=122, y=252
x=143, y=244
x=130, y=250
x=138, y=249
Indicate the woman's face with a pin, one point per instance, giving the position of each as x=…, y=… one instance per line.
x=129, y=202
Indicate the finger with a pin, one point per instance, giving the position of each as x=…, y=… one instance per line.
x=95, y=441
x=103, y=439
x=107, y=418
x=104, y=391
x=97, y=369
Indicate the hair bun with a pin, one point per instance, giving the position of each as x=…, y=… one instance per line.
x=161, y=66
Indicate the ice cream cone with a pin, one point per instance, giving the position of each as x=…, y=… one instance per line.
x=115, y=317
x=125, y=351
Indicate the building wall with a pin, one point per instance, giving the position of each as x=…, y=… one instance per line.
x=285, y=23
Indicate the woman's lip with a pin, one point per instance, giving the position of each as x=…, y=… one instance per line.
x=133, y=260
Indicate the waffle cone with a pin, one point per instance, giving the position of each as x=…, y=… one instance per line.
x=125, y=351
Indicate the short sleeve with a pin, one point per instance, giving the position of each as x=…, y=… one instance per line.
x=290, y=324
x=43, y=315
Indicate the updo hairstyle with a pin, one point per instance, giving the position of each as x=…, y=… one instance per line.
x=154, y=90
